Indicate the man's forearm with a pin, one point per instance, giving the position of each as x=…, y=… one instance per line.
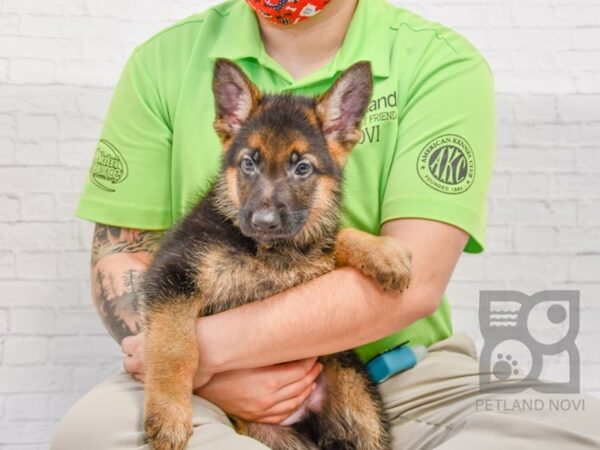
x=335, y=312
x=120, y=257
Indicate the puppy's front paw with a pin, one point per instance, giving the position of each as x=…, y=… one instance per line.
x=168, y=426
x=388, y=263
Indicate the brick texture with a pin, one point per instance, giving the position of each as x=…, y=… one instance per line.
x=60, y=60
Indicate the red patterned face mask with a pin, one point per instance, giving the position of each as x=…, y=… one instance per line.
x=287, y=12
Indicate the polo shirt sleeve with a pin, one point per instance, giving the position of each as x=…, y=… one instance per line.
x=443, y=161
x=129, y=183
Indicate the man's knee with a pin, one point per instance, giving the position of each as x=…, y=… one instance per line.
x=108, y=417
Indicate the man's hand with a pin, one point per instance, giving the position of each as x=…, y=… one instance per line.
x=133, y=349
x=266, y=394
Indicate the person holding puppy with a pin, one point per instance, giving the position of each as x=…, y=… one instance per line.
x=419, y=175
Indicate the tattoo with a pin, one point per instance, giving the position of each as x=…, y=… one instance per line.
x=109, y=240
x=117, y=286
x=119, y=307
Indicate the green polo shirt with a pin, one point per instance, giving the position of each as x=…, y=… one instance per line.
x=426, y=151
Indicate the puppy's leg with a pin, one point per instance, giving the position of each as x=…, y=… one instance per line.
x=382, y=258
x=171, y=360
x=274, y=436
x=353, y=416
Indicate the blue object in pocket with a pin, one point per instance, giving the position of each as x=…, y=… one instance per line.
x=394, y=361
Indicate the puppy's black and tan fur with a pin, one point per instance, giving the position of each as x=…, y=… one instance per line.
x=270, y=222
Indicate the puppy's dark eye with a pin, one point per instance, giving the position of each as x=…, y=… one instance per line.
x=303, y=169
x=247, y=165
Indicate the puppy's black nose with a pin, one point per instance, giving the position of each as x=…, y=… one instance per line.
x=266, y=220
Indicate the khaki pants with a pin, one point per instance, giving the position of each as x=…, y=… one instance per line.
x=437, y=404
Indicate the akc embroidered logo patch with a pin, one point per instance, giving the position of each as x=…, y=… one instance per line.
x=109, y=166
x=447, y=164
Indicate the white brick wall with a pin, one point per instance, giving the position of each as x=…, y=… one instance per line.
x=59, y=61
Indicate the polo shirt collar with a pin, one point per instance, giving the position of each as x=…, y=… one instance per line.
x=368, y=38
x=239, y=36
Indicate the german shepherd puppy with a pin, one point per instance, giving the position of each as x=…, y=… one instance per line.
x=270, y=222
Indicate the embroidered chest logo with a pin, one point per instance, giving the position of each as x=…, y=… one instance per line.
x=109, y=166
x=381, y=109
x=447, y=164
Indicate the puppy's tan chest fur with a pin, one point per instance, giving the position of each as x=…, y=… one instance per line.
x=228, y=278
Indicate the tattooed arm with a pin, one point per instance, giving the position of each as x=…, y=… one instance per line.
x=120, y=256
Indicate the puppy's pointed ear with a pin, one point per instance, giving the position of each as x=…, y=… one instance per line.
x=343, y=106
x=236, y=98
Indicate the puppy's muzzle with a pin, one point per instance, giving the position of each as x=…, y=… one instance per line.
x=266, y=220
